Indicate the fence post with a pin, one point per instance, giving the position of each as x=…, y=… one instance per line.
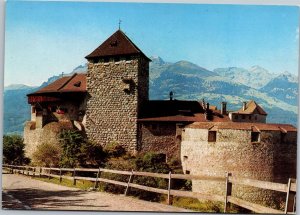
x=227, y=192
x=49, y=173
x=290, y=197
x=33, y=171
x=23, y=171
x=129, y=181
x=40, y=172
x=170, y=199
x=60, y=178
x=74, y=180
x=28, y=168
x=96, y=182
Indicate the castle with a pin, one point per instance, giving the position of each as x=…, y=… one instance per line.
x=110, y=103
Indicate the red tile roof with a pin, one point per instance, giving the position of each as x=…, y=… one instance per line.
x=198, y=117
x=74, y=83
x=116, y=45
x=243, y=126
x=251, y=108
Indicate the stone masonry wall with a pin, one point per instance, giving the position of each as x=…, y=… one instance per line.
x=116, y=91
x=270, y=160
x=33, y=136
x=160, y=138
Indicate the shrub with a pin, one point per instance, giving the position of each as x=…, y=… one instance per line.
x=91, y=155
x=70, y=142
x=118, y=164
x=114, y=150
x=47, y=154
x=13, y=150
x=77, y=151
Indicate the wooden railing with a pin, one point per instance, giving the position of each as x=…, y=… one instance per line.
x=229, y=180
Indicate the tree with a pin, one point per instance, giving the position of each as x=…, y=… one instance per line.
x=71, y=142
x=91, y=155
x=13, y=150
x=47, y=154
x=78, y=151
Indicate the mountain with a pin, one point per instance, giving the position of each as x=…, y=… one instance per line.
x=191, y=82
x=157, y=66
x=18, y=87
x=278, y=94
x=80, y=69
x=256, y=77
x=16, y=109
x=283, y=87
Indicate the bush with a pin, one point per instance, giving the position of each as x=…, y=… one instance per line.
x=77, y=151
x=47, y=154
x=13, y=150
x=91, y=155
x=114, y=150
x=117, y=164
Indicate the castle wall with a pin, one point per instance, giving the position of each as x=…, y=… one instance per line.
x=270, y=159
x=236, y=117
x=116, y=91
x=33, y=136
x=160, y=138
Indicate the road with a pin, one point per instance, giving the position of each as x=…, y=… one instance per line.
x=21, y=192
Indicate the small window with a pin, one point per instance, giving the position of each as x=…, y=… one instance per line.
x=33, y=109
x=236, y=117
x=114, y=43
x=187, y=172
x=154, y=126
x=212, y=136
x=243, y=116
x=250, y=117
x=283, y=137
x=185, y=157
x=255, y=136
x=77, y=84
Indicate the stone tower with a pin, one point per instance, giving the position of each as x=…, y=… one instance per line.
x=117, y=87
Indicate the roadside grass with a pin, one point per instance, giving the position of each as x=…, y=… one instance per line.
x=81, y=184
x=181, y=202
x=196, y=205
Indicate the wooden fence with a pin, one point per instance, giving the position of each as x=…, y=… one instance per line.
x=229, y=180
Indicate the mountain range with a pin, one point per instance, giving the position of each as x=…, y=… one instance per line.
x=276, y=93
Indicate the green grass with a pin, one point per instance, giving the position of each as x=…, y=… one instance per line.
x=196, y=205
x=182, y=202
x=81, y=184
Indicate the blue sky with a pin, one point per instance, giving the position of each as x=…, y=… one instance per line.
x=47, y=38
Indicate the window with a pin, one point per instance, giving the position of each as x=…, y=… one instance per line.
x=243, y=117
x=250, y=117
x=212, y=136
x=154, y=127
x=282, y=137
x=187, y=172
x=185, y=157
x=255, y=136
x=32, y=109
x=236, y=117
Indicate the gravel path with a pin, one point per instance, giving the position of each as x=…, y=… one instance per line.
x=21, y=192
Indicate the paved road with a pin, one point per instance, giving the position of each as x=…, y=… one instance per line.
x=21, y=192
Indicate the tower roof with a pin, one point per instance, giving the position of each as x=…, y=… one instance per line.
x=117, y=44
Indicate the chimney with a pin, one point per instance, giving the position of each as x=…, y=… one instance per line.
x=208, y=112
x=223, y=108
x=244, y=105
x=171, y=95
